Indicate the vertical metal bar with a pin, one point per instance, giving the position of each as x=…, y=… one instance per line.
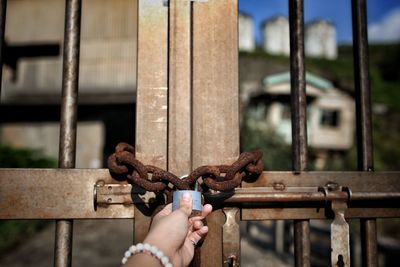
x=3, y=11
x=151, y=94
x=364, y=124
x=215, y=133
x=69, y=106
x=299, y=120
x=179, y=91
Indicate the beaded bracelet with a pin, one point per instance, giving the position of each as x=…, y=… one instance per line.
x=146, y=248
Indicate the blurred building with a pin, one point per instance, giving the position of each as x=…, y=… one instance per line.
x=33, y=75
x=247, y=40
x=320, y=40
x=275, y=34
x=330, y=113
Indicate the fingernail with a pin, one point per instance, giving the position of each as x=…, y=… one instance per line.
x=186, y=196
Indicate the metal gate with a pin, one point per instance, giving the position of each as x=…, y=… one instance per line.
x=187, y=116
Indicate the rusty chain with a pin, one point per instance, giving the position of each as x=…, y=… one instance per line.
x=124, y=164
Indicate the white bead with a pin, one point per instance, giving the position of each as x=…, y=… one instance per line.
x=159, y=254
x=132, y=249
x=153, y=250
x=127, y=254
x=146, y=246
x=164, y=260
x=139, y=247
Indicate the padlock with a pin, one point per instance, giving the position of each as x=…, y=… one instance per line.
x=196, y=200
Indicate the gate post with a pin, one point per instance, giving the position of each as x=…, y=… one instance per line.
x=215, y=101
x=152, y=94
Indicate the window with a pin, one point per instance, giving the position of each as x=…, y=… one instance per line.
x=330, y=118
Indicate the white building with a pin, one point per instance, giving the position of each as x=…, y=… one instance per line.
x=275, y=32
x=330, y=112
x=320, y=40
x=247, y=41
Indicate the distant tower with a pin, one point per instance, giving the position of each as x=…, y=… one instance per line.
x=320, y=39
x=247, y=41
x=276, y=36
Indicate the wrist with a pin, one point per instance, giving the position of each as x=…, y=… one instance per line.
x=140, y=252
x=160, y=244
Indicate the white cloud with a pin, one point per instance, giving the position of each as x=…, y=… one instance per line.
x=386, y=30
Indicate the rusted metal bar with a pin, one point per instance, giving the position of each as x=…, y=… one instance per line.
x=369, y=242
x=3, y=12
x=364, y=125
x=362, y=86
x=112, y=194
x=179, y=91
x=299, y=120
x=269, y=197
x=152, y=95
x=56, y=194
x=215, y=132
x=356, y=181
x=283, y=212
x=69, y=106
x=298, y=86
x=72, y=196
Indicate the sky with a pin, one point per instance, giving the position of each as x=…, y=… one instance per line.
x=383, y=16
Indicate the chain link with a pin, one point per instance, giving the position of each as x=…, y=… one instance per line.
x=124, y=165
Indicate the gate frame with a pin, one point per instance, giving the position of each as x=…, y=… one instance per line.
x=192, y=71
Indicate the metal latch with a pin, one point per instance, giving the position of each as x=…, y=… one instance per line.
x=109, y=194
x=340, y=234
x=340, y=244
x=120, y=194
x=231, y=238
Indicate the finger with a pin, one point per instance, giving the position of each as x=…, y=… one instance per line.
x=197, y=235
x=167, y=209
x=207, y=209
x=186, y=204
x=164, y=212
x=197, y=225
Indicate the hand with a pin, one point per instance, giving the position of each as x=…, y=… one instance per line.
x=174, y=233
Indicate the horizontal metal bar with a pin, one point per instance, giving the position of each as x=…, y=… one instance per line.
x=112, y=194
x=55, y=194
x=70, y=193
x=247, y=196
x=356, y=181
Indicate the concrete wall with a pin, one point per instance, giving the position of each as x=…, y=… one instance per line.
x=275, y=34
x=45, y=137
x=247, y=41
